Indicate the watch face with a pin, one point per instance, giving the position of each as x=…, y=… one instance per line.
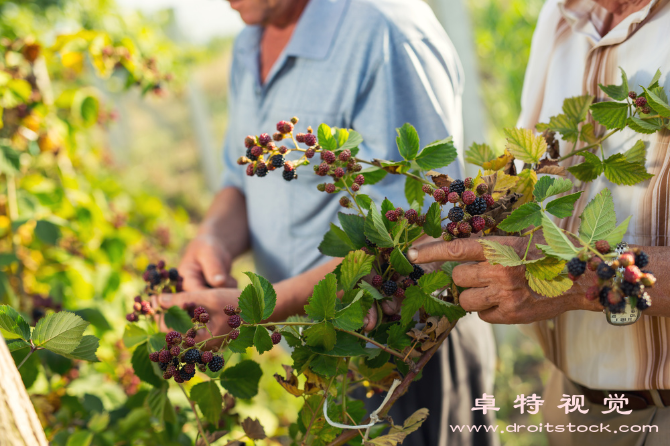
x=627, y=317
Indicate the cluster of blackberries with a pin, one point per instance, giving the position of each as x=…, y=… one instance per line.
x=263, y=155
x=338, y=166
x=640, y=103
x=617, y=281
x=158, y=280
x=179, y=357
x=395, y=284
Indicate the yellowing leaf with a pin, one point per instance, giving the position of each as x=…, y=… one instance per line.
x=546, y=268
x=500, y=162
x=499, y=254
x=479, y=154
x=73, y=60
x=526, y=146
x=549, y=288
x=525, y=185
x=503, y=184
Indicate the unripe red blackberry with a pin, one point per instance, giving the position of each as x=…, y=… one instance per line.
x=229, y=310
x=276, y=338
x=408, y=282
x=345, y=155
x=592, y=292
x=137, y=298
x=468, y=197
x=256, y=151
x=249, y=142
x=309, y=153
x=177, y=378
x=439, y=195
x=648, y=280
x=137, y=306
x=189, y=342
x=234, y=321
x=323, y=169
x=173, y=338
x=153, y=356
x=469, y=183
x=389, y=288
x=394, y=318
x=357, y=168
x=283, y=150
x=339, y=172
x=427, y=189
x=421, y=220
x=330, y=188
x=453, y=197
x=264, y=139
x=355, y=187
x=328, y=156
x=310, y=139
x=646, y=110
x=174, y=351
x=593, y=263
x=482, y=189
x=206, y=357
x=478, y=223
x=345, y=202
x=300, y=137
x=168, y=373
x=294, y=120
x=464, y=229
x=189, y=368
x=641, y=101
x=391, y=215
x=626, y=259
x=360, y=180
x=411, y=215
x=233, y=334
x=276, y=136
x=377, y=281
x=632, y=94
x=164, y=356
x=261, y=169
x=632, y=274
x=490, y=221
x=452, y=228
x=399, y=293
x=198, y=311
x=132, y=317
x=603, y=246
x=204, y=318
x=488, y=199
x=284, y=127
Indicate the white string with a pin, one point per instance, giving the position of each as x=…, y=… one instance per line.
x=374, y=416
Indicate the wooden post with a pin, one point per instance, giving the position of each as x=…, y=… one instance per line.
x=19, y=425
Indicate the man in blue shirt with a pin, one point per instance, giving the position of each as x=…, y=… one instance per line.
x=368, y=65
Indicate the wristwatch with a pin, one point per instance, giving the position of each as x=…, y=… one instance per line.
x=630, y=314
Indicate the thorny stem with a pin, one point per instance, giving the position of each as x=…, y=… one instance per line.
x=197, y=418
x=311, y=421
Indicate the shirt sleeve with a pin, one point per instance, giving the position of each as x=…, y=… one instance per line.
x=233, y=174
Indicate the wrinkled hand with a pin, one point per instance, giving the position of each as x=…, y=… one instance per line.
x=501, y=295
x=206, y=264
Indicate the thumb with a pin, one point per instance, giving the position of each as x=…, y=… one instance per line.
x=370, y=320
x=214, y=268
x=167, y=300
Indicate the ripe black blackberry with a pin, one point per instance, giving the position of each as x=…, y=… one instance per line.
x=173, y=274
x=192, y=356
x=163, y=365
x=185, y=375
x=417, y=273
x=154, y=277
x=234, y=321
x=605, y=271
x=277, y=160
x=455, y=214
x=618, y=307
x=250, y=155
x=641, y=259
x=478, y=207
x=602, y=296
x=261, y=170
x=630, y=289
x=229, y=310
x=389, y=287
x=215, y=364
x=457, y=186
x=289, y=175
x=576, y=267
x=643, y=302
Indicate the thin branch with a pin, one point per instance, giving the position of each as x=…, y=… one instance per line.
x=311, y=421
x=32, y=350
x=195, y=412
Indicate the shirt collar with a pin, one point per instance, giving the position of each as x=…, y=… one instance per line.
x=317, y=28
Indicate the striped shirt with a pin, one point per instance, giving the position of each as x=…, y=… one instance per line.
x=569, y=57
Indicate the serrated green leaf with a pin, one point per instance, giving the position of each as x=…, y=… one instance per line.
x=353, y=225
x=577, y=107
x=588, y=134
x=262, y=340
x=545, y=268
x=85, y=350
x=241, y=380
x=646, y=126
x=251, y=305
x=321, y=335
x=617, y=92
x=438, y=154
x=322, y=301
x=414, y=299
x=564, y=206
x=375, y=228
x=267, y=291
x=589, y=170
x=354, y=139
x=433, y=281
x=398, y=338
x=178, y=319
x=407, y=141
x=529, y=214
x=659, y=105
x=324, y=365
x=374, y=293
x=433, y=223
x=16, y=344
x=637, y=153
x=355, y=265
x=598, y=218
x=414, y=191
x=156, y=400
x=567, y=127
x=12, y=324
x=350, y=317
x=549, y=288
x=548, y=186
x=244, y=340
x=400, y=262
x=499, y=254
x=133, y=335
x=478, y=154
x=336, y=242
x=655, y=79
x=346, y=345
x=363, y=201
x=47, y=231
x=80, y=438
x=448, y=269
x=373, y=175
x=558, y=243
x=524, y=145
x=619, y=171
x=616, y=236
x=9, y=160
x=143, y=367
x=59, y=332
x=325, y=137
x=438, y=308
x=612, y=115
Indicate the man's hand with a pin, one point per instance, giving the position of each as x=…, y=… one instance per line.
x=206, y=264
x=500, y=294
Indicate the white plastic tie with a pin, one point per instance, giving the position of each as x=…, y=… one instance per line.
x=374, y=416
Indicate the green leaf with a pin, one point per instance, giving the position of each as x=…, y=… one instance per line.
x=16, y=344
x=268, y=292
x=7, y=258
x=143, y=367
x=529, y=214
x=59, y=332
x=577, y=108
x=157, y=400
x=414, y=299
x=524, y=145
x=655, y=79
x=413, y=191
x=564, y=206
x=373, y=175
x=208, y=397
x=617, y=92
x=363, y=201
x=336, y=243
x=325, y=136
x=321, y=335
x=589, y=169
x=47, y=232
x=438, y=154
x=546, y=268
x=95, y=317
x=646, y=126
x=408, y=141
x=598, y=218
x=262, y=340
x=375, y=229
x=12, y=324
x=478, y=154
x=433, y=224
x=324, y=365
x=616, y=236
x=398, y=338
x=558, y=243
x=658, y=104
x=85, y=350
x=9, y=160
x=89, y=110
x=241, y=380
x=98, y=422
x=434, y=281
x=499, y=254
x=448, y=269
x=588, y=134
x=400, y=262
x=612, y=115
x=549, y=288
x=322, y=301
x=354, y=139
x=346, y=345
x=548, y=186
x=133, y=335
x=567, y=127
x=80, y=438
x=619, y=171
x=251, y=305
x=437, y=307
x=372, y=291
x=355, y=265
x=178, y=319
x=244, y=340
x=353, y=225
x=637, y=153
x=350, y=317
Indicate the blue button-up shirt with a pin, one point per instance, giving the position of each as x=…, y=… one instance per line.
x=367, y=65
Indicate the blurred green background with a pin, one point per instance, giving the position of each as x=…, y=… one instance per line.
x=158, y=161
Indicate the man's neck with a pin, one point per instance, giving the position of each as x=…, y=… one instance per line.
x=619, y=10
